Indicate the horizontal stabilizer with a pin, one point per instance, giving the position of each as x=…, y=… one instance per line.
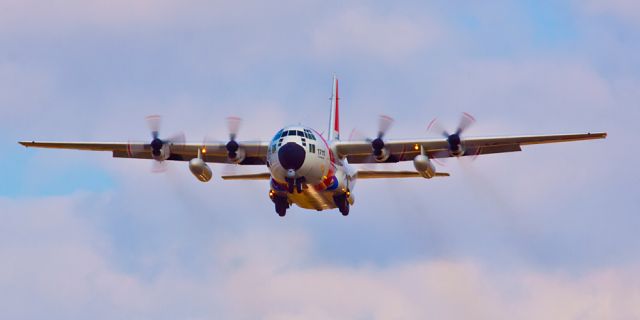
x=362, y=174
x=253, y=176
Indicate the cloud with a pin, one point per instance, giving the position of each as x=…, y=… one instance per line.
x=33, y=15
x=25, y=89
x=361, y=33
x=69, y=267
x=627, y=10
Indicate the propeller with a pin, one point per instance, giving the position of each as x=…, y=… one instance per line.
x=233, y=125
x=454, y=139
x=158, y=145
x=377, y=144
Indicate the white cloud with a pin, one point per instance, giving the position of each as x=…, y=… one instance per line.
x=55, y=257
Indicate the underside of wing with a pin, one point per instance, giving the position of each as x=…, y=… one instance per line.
x=405, y=150
x=367, y=174
x=253, y=176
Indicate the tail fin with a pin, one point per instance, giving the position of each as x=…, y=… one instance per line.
x=334, y=119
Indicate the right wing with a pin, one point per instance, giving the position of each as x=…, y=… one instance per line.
x=250, y=176
x=256, y=151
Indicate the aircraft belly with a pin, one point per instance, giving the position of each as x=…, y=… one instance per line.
x=310, y=198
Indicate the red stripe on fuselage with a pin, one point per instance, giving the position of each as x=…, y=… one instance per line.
x=336, y=124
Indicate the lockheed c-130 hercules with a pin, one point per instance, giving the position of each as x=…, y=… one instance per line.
x=312, y=171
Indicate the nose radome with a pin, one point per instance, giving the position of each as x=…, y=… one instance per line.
x=291, y=156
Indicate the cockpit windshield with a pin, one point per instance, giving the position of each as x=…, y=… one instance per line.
x=277, y=136
x=305, y=133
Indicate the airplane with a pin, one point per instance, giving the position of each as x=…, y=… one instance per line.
x=312, y=171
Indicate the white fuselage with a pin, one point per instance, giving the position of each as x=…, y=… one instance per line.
x=298, y=152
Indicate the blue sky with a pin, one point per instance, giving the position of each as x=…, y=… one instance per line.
x=550, y=232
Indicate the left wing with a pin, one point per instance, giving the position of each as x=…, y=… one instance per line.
x=405, y=150
x=366, y=174
x=256, y=151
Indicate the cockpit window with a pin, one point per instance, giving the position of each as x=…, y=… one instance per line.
x=277, y=136
x=305, y=133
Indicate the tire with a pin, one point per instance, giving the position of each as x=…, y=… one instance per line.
x=345, y=209
x=342, y=204
x=281, y=206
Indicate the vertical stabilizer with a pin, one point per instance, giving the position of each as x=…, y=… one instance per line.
x=334, y=119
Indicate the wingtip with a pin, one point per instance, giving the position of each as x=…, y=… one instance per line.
x=598, y=135
x=25, y=143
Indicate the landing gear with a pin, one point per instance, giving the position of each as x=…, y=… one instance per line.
x=295, y=184
x=282, y=204
x=342, y=203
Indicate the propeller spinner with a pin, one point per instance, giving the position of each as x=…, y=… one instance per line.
x=454, y=139
x=377, y=144
x=161, y=149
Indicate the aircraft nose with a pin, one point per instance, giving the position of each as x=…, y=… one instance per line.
x=291, y=156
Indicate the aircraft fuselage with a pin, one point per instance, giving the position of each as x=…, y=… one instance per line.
x=302, y=161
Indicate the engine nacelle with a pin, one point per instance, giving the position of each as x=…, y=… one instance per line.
x=200, y=169
x=384, y=155
x=457, y=152
x=240, y=155
x=163, y=154
x=424, y=166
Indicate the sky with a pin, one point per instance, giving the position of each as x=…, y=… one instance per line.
x=550, y=232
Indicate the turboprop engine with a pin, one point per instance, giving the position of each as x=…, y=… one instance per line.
x=235, y=153
x=378, y=149
x=200, y=169
x=424, y=166
x=160, y=150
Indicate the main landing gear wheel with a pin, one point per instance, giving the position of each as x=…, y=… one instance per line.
x=282, y=204
x=345, y=209
x=342, y=203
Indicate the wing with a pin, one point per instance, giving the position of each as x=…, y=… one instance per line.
x=366, y=174
x=251, y=176
x=256, y=151
x=405, y=150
